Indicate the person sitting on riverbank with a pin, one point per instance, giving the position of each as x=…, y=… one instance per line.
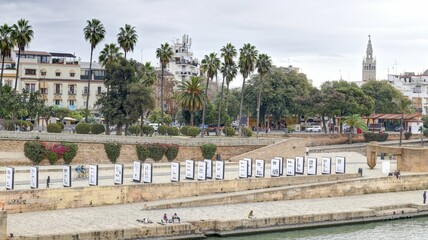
x=175, y=218
x=251, y=215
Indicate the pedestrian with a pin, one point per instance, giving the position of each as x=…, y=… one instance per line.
x=306, y=151
x=424, y=196
x=48, y=180
x=251, y=215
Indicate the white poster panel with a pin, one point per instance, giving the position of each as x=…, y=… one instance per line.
x=148, y=173
x=290, y=167
x=243, y=168
x=281, y=165
x=10, y=178
x=300, y=165
x=274, y=167
x=260, y=168
x=93, y=175
x=209, y=168
x=34, y=177
x=118, y=173
x=325, y=165
x=136, y=171
x=250, y=166
x=190, y=169
x=312, y=166
x=66, y=176
x=340, y=165
x=175, y=172
x=202, y=170
x=219, y=170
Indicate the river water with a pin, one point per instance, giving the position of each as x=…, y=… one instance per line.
x=409, y=229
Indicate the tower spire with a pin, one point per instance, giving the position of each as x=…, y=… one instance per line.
x=369, y=51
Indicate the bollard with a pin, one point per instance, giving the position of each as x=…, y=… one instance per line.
x=382, y=156
x=360, y=171
x=3, y=224
x=218, y=157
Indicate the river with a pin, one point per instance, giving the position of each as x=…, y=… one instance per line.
x=409, y=229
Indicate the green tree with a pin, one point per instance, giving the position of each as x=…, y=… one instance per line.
x=263, y=65
x=7, y=42
x=148, y=74
x=354, y=121
x=192, y=96
x=209, y=65
x=139, y=99
x=127, y=38
x=165, y=54
x=110, y=54
x=247, y=60
x=61, y=113
x=382, y=93
x=231, y=72
x=404, y=105
x=94, y=33
x=155, y=116
x=22, y=34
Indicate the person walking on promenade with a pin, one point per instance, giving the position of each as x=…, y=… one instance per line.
x=48, y=180
x=424, y=196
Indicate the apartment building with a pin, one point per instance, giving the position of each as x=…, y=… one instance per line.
x=414, y=86
x=183, y=64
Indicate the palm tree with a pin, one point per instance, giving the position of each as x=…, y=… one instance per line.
x=404, y=105
x=148, y=74
x=110, y=54
x=355, y=121
x=94, y=33
x=231, y=72
x=22, y=34
x=165, y=54
x=228, y=52
x=192, y=96
x=247, y=60
x=209, y=65
x=127, y=38
x=6, y=45
x=263, y=65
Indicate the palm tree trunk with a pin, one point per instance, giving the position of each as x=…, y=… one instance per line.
x=219, y=108
x=119, y=129
x=192, y=116
x=401, y=131
x=259, y=95
x=17, y=69
x=89, y=86
x=323, y=123
x=141, y=123
x=125, y=55
x=1, y=75
x=240, y=107
x=203, y=110
x=162, y=94
x=351, y=129
x=227, y=98
x=107, y=116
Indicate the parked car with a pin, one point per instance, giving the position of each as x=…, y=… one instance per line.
x=397, y=129
x=314, y=128
x=155, y=126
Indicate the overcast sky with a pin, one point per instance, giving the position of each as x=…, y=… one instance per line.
x=326, y=39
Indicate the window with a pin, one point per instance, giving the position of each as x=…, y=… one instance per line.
x=71, y=90
x=30, y=87
x=43, y=72
x=57, y=88
x=72, y=74
x=71, y=102
x=85, y=90
x=30, y=71
x=58, y=74
x=57, y=102
x=9, y=83
x=99, y=90
x=43, y=90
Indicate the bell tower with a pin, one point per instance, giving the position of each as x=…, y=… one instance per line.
x=369, y=64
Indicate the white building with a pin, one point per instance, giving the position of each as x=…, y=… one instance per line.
x=183, y=64
x=369, y=64
x=413, y=86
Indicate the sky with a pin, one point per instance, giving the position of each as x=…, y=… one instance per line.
x=326, y=39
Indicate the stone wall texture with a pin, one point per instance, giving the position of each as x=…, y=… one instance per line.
x=3, y=225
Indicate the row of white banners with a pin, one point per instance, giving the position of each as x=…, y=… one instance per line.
x=143, y=172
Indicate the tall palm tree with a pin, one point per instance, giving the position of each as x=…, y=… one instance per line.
x=127, y=38
x=228, y=52
x=148, y=74
x=209, y=65
x=404, y=105
x=263, y=65
x=7, y=43
x=192, y=96
x=94, y=33
x=355, y=121
x=247, y=60
x=22, y=34
x=231, y=72
x=110, y=54
x=165, y=54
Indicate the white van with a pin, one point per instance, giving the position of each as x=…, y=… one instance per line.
x=155, y=126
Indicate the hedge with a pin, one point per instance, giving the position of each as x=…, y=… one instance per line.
x=52, y=157
x=156, y=151
x=69, y=155
x=229, y=131
x=162, y=129
x=193, y=131
x=112, y=151
x=208, y=150
x=407, y=135
x=134, y=130
x=97, y=128
x=142, y=152
x=54, y=128
x=172, y=131
x=379, y=137
x=148, y=130
x=171, y=151
x=61, y=124
x=248, y=132
x=83, y=128
x=35, y=151
x=183, y=130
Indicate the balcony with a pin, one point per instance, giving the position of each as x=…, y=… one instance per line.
x=58, y=92
x=71, y=92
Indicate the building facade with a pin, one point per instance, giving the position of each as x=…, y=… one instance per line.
x=369, y=63
x=413, y=86
x=183, y=64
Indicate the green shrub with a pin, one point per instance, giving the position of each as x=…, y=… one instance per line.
x=208, y=150
x=54, y=128
x=173, y=131
x=83, y=128
x=193, y=131
x=61, y=124
x=407, y=135
x=34, y=151
x=134, y=130
x=148, y=130
x=8, y=125
x=229, y=131
x=426, y=132
x=171, y=151
x=142, y=152
x=379, y=137
x=97, y=128
x=183, y=130
x=52, y=157
x=112, y=151
x=156, y=151
x=162, y=129
x=248, y=132
x=71, y=152
x=23, y=125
